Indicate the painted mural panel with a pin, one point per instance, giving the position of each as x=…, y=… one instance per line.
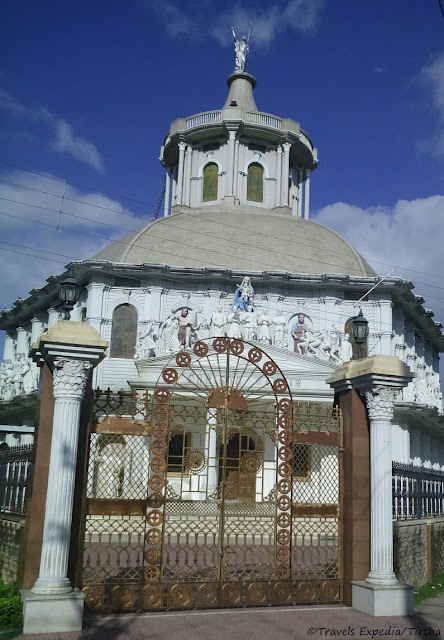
x=210, y=180
x=124, y=332
x=255, y=183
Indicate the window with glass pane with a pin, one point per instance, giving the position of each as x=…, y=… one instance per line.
x=124, y=332
x=210, y=179
x=255, y=183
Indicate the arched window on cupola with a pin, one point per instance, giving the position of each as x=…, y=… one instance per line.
x=255, y=182
x=210, y=178
x=124, y=332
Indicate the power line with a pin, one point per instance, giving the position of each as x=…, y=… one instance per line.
x=423, y=332
x=224, y=224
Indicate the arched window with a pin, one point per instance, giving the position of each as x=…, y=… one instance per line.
x=348, y=328
x=210, y=180
x=255, y=183
x=124, y=332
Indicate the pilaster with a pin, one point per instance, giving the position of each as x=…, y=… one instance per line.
x=8, y=352
x=307, y=194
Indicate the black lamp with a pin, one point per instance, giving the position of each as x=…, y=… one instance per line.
x=360, y=331
x=69, y=293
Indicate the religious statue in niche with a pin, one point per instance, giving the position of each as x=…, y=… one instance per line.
x=146, y=342
x=298, y=330
x=241, y=48
x=244, y=296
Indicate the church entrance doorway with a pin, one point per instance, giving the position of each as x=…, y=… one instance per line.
x=228, y=489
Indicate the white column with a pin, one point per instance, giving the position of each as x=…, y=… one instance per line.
x=53, y=317
x=179, y=189
x=174, y=189
x=8, y=352
x=294, y=192
x=187, y=175
x=166, y=202
x=380, y=401
x=94, y=304
x=22, y=341
x=307, y=194
x=211, y=447
x=300, y=193
x=230, y=170
x=285, y=174
x=278, y=175
x=236, y=169
x=36, y=329
x=70, y=378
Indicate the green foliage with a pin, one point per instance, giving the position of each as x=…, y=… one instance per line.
x=430, y=589
x=10, y=604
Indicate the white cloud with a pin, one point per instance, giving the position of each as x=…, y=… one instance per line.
x=23, y=272
x=63, y=138
x=207, y=18
x=66, y=142
x=409, y=235
x=432, y=76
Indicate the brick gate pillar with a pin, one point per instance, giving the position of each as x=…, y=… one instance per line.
x=71, y=350
x=367, y=483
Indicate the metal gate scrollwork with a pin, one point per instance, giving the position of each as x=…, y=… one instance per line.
x=213, y=490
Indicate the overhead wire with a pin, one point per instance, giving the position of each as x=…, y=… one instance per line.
x=423, y=332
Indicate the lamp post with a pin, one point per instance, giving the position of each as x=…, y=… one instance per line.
x=360, y=331
x=69, y=293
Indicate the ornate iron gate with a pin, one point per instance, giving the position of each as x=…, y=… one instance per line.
x=214, y=490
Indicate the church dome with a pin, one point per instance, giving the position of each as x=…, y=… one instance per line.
x=239, y=237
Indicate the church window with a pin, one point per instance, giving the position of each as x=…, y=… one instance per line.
x=177, y=450
x=124, y=332
x=301, y=461
x=349, y=329
x=210, y=179
x=255, y=183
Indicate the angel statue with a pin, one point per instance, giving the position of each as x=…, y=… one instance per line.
x=241, y=48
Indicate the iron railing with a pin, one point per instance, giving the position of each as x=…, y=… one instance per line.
x=15, y=477
x=417, y=492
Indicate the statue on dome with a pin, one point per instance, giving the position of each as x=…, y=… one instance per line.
x=244, y=296
x=241, y=48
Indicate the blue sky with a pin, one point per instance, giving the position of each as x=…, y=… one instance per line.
x=89, y=89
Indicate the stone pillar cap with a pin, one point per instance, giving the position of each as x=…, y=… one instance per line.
x=371, y=371
x=69, y=339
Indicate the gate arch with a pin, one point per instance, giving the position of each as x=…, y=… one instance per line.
x=231, y=515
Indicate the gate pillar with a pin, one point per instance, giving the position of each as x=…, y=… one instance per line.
x=71, y=350
x=378, y=379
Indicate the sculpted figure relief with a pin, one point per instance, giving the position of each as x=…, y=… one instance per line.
x=263, y=332
x=234, y=328
x=218, y=322
x=346, y=349
x=279, y=323
x=168, y=334
x=146, y=342
x=187, y=328
x=298, y=330
x=248, y=321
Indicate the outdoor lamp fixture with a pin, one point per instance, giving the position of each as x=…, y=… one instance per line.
x=69, y=293
x=360, y=331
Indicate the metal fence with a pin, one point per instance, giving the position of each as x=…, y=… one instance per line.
x=417, y=492
x=15, y=477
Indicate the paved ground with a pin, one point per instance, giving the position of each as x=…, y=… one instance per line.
x=296, y=623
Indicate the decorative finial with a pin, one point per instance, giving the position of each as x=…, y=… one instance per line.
x=241, y=48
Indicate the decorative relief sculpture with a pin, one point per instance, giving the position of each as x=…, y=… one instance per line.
x=298, y=330
x=248, y=324
x=380, y=403
x=179, y=332
x=279, y=323
x=186, y=333
x=263, y=332
x=146, y=344
x=218, y=322
x=234, y=328
x=346, y=349
x=241, y=48
x=70, y=377
x=168, y=334
x=244, y=296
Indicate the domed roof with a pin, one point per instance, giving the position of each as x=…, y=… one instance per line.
x=240, y=237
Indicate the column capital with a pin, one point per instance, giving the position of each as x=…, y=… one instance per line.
x=380, y=402
x=70, y=377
